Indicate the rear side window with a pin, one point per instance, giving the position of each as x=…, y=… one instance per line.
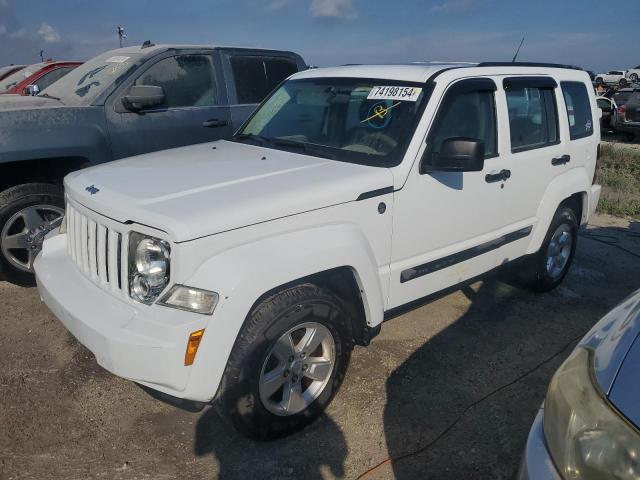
x=187, y=80
x=52, y=77
x=255, y=77
x=533, y=117
x=576, y=99
x=468, y=114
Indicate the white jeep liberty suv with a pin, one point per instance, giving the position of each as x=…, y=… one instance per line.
x=243, y=272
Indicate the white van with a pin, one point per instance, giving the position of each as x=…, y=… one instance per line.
x=242, y=272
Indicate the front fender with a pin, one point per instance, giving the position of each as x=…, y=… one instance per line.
x=562, y=187
x=241, y=275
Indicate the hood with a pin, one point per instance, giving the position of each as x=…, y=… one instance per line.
x=12, y=102
x=611, y=340
x=626, y=387
x=200, y=190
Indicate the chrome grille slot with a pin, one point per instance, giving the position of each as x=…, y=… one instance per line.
x=95, y=246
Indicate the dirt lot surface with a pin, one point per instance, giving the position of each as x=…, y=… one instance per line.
x=64, y=417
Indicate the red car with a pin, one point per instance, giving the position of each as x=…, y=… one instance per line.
x=9, y=69
x=40, y=74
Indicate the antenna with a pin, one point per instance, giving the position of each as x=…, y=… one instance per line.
x=518, y=50
x=121, y=34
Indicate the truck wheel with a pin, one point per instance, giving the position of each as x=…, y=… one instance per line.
x=545, y=270
x=287, y=363
x=27, y=213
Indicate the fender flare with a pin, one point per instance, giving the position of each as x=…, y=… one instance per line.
x=243, y=274
x=575, y=181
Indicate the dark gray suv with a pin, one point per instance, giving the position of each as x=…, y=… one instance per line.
x=124, y=102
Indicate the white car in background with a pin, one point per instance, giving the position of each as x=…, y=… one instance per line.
x=612, y=77
x=633, y=74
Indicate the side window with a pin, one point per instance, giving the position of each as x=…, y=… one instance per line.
x=468, y=114
x=187, y=80
x=533, y=117
x=277, y=70
x=52, y=77
x=255, y=77
x=576, y=99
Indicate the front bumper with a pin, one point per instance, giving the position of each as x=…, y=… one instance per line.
x=142, y=343
x=536, y=462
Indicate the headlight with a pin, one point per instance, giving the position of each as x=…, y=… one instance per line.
x=587, y=438
x=149, y=264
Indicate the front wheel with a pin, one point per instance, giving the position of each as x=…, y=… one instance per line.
x=633, y=77
x=545, y=270
x=287, y=364
x=27, y=213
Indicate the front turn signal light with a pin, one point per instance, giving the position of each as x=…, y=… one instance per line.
x=192, y=347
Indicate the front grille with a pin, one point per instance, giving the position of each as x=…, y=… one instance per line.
x=96, y=248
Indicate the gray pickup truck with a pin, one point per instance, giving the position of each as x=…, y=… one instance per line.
x=124, y=102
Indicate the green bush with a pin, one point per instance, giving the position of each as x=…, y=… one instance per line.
x=619, y=175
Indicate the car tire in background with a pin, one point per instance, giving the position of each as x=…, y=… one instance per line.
x=27, y=213
x=623, y=82
x=633, y=77
x=269, y=363
x=545, y=269
x=599, y=80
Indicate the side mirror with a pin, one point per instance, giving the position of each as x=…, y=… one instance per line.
x=31, y=90
x=457, y=154
x=143, y=96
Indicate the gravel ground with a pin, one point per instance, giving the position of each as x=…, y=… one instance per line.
x=64, y=417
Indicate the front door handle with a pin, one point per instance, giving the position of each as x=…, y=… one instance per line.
x=564, y=159
x=214, y=123
x=500, y=176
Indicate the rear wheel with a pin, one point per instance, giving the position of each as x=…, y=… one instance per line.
x=27, y=213
x=622, y=82
x=545, y=270
x=287, y=364
x=633, y=77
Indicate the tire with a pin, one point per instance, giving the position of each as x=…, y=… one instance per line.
x=622, y=82
x=629, y=137
x=247, y=399
x=27, y=213
x=633, y=77
x=536, y=273
x=599, y=80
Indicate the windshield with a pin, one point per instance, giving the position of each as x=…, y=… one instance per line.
x=16, y=77
x=622, y=97
x=357, y=120
x=85, y=83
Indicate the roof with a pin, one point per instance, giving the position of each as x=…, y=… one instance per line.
x=423, y=71
x=165, y=46
x=413, y=72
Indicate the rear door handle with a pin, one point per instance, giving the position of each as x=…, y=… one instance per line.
x=214, y=123
x=564, y=159
x=498, y=177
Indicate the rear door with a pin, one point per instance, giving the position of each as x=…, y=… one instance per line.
x=195, y=108
x=251, y=78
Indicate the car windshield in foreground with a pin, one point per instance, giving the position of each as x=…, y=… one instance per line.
x=359, y=120
x=83, y=85
x=16, y=77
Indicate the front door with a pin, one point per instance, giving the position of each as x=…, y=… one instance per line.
x=448, y=226
x=194, y=110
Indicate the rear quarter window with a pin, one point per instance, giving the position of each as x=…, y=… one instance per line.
x=255, y=76
x=578, y=107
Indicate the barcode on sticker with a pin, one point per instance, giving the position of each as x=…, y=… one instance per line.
x=389, y=92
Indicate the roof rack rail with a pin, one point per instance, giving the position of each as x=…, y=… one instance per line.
x=527, y=64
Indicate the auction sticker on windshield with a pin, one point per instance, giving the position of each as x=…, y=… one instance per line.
x=389, y=92
x=117, y=59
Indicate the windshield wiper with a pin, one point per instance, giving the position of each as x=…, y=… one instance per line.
x=250, y=136
x=46, y=95
x=305, y=147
